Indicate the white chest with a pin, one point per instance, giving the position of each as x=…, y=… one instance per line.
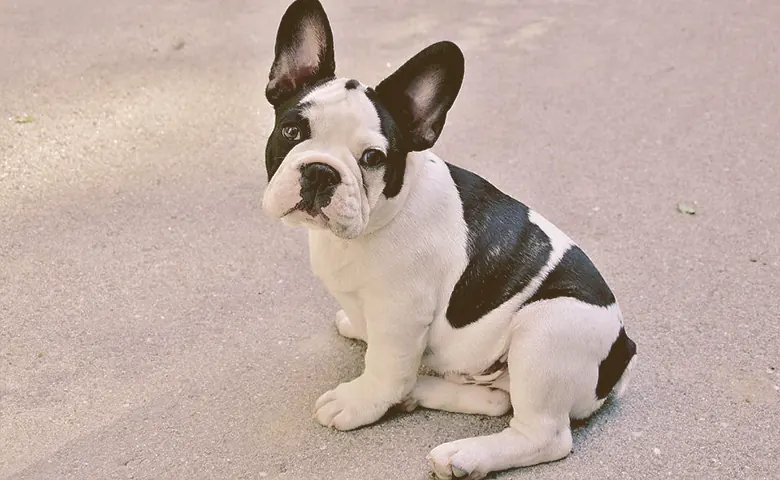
x=342, y=266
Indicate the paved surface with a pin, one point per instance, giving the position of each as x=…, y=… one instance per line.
x=153, y=324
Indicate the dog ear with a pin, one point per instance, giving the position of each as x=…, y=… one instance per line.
x=421, y=92
x=303, y=52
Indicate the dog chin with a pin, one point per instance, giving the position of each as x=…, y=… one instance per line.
x=321, y=222
x=347, y=232
x=346, y=216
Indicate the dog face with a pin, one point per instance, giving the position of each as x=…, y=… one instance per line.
x=332, y=155
x=338, y=150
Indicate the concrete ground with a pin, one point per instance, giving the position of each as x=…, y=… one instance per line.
x=154, y=325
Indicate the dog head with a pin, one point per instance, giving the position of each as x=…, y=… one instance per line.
x=338, y=149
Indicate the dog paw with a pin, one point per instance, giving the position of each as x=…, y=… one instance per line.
x=346, y=328
x=351, y=405
x=459, y=459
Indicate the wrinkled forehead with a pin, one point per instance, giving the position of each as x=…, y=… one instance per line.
x=340, y=109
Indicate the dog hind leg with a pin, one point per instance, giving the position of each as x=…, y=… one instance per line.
x=440, y=394
x=553, y=364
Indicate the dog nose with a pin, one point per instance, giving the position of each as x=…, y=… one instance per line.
x=319, y=176
x=318, y=182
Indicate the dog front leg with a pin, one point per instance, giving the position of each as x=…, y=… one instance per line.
x=396, y=341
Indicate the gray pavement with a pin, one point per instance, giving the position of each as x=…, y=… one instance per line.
x=154, y=325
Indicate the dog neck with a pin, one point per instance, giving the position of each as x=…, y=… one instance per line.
x=387, y=209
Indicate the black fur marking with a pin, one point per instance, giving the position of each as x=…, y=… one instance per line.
x=396, y=154
x=277, y=146
x=612, y=367
x=575, y=276
x=351, y=84
x=505, y=249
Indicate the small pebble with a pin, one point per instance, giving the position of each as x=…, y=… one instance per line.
x=657, y=451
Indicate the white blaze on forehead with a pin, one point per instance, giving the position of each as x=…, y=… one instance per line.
x=329, y=92
x=344, y=117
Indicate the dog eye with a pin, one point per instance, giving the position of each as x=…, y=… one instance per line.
x=372, y=158
x=291, y=133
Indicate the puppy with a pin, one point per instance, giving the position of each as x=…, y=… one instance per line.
x=430, y=263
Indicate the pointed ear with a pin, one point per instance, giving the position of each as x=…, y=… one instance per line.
x=303, y=52
x=420, y=93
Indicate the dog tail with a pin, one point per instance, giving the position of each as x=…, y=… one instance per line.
x=625, y=379
x=615, y=370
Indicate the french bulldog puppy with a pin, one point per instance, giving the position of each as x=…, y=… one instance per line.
x=431, y=264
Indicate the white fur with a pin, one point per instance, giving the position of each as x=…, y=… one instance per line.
x=393, y=276
x=440, y=394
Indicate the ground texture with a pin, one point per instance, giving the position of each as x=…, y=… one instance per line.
x=153, y=324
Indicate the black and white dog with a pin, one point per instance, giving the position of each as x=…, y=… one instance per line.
x=430, y=263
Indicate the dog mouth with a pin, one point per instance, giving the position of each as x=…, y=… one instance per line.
x=308, y=208
x=322, y=201
x=318, y=183
x=313, y=202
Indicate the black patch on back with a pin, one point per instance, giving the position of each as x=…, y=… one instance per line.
x=505, y=249
x=575, y=276
x=396, y=156
x=612, y=367
x=351, y=84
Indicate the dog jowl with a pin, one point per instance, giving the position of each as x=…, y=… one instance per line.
x=430, y=263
